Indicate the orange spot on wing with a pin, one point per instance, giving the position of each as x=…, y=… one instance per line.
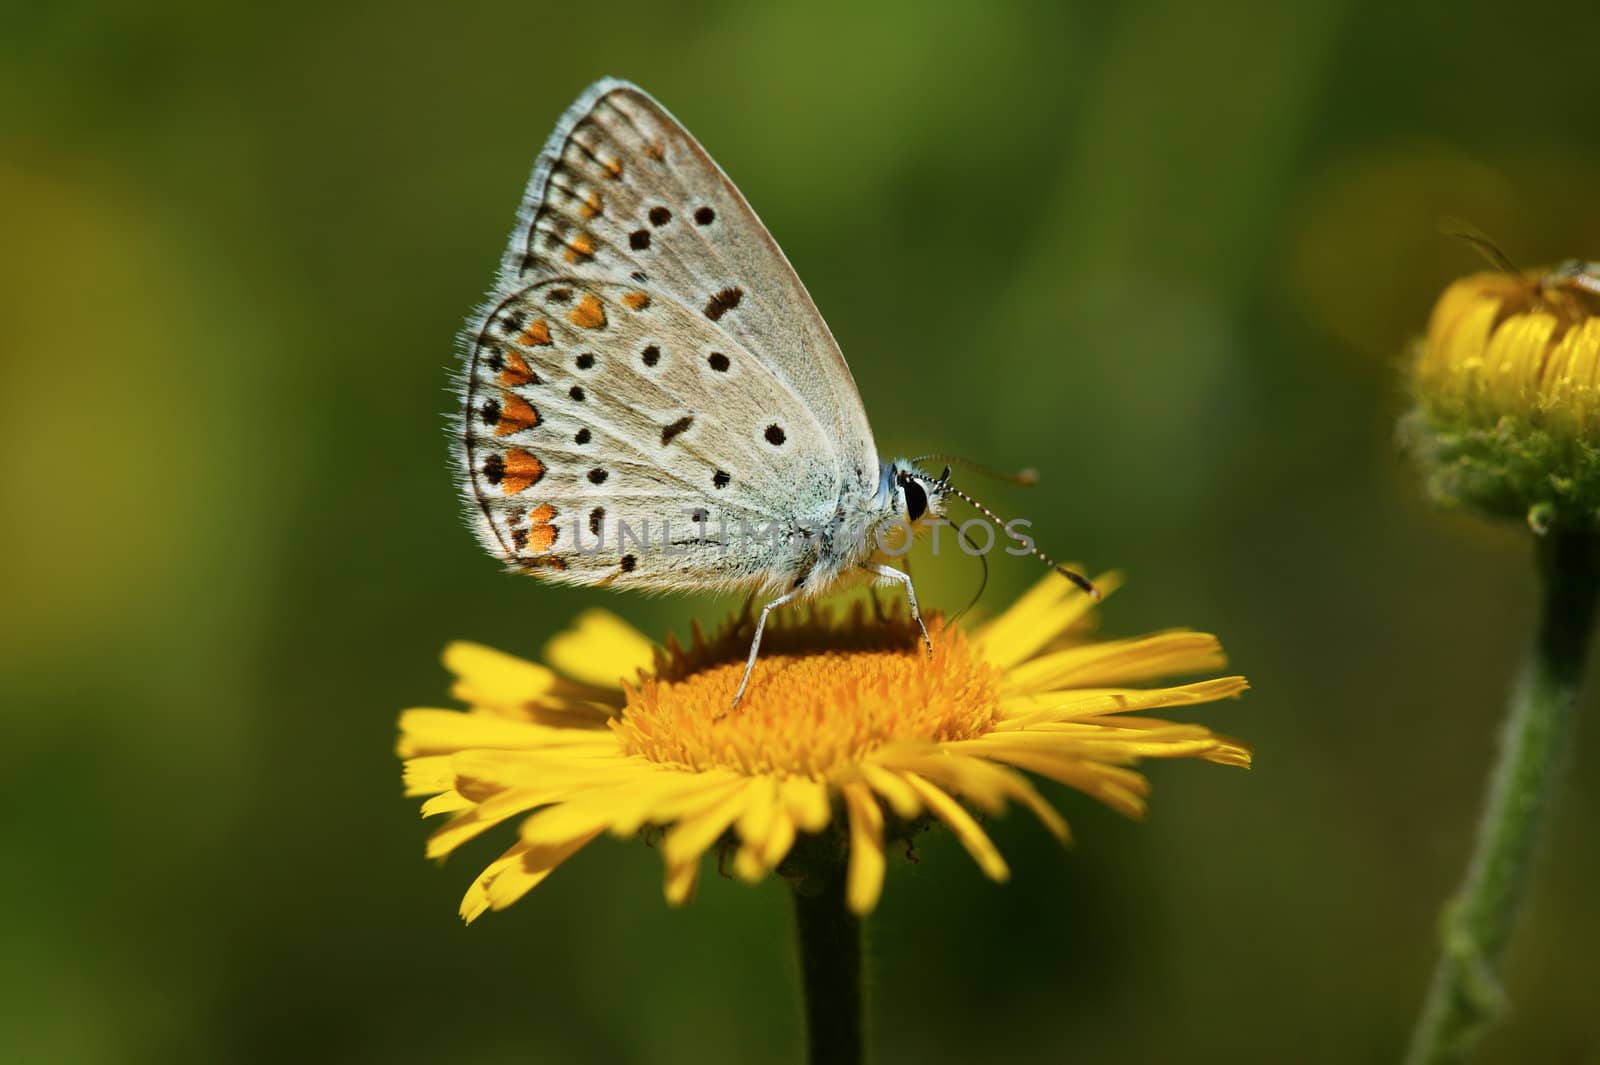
x=516, y=371
x=588, y=314
x=613, y=168
x=537, y=335
x=636, y=300
x=592, y=205
x=515, y=413
x=522, y=469
x=542, y=533
x=655, y=151
x=579, y=248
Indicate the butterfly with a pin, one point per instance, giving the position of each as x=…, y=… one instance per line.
x=649, y=398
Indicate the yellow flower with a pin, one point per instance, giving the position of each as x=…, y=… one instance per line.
x=1507, y=383
x=848, y=727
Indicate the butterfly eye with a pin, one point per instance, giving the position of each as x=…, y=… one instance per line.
x=916, y=498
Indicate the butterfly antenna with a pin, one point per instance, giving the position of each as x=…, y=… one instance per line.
x=1481, y=242
x=1076, y=578
x=1026, y=478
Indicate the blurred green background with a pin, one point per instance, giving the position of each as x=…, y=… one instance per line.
x=1169, y=253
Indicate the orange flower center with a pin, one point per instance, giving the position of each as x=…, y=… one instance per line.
x=821, y=697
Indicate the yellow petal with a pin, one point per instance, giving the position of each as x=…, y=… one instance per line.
x=779, y=838
x=1074, y=704
x=754, y=826
x=680, y=882
x=864, y=880
x=1105, y=743
x=486, y=677
x=600, y=649
x=807, y=800
x=1568, y=384
x=694, y=834
x=1458, y=332
x=902, y=797
x=760, y=807
x=429, y=775
x=1121, y=789
x=966, y=829
x=580, y=765
x=624, y=805
x=446, y=802
x=515, y=873
x=1515, y=357
x=481, y=817
x=970, y=778
x=673, y=795
x=1044, y=612
x=983, y=782
x=424, y=732
x=1223, y=749
x=1112, y=662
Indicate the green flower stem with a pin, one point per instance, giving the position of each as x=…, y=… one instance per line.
x=830, y=965
x=1465, y=996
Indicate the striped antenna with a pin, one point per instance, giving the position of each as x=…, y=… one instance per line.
x=1076, y=578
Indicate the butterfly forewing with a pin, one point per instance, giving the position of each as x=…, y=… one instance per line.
x=623, y=188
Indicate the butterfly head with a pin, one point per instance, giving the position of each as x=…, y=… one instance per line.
x=917, y=496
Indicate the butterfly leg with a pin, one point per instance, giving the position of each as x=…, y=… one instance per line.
x=755, y=644
x=903, y=579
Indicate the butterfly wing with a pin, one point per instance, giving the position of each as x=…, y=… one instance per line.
x=612, y=434
x=649, y=354
x=622, y=187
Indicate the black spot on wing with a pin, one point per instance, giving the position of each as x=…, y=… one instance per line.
x=723, y=302
x=668, y=432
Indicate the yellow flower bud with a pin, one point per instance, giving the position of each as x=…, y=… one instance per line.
x=1507, y=388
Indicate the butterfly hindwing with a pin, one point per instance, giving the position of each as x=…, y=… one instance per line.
x=612, y=434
